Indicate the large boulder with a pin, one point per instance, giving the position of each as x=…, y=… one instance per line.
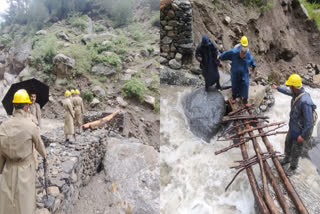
x=18, y=57
x=175, y=77
x=133, y=175
x=62, y=65
x=204, y=111
x=103, y=70
x=98, y=91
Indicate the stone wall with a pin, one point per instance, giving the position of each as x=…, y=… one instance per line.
x=176, y=34
x=71, y=166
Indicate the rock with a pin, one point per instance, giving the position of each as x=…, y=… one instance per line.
x=49, y=203
x=98, y=91
x=174, y=77
x=256, y=94
x=150, y=100
x=41, y=32
x=121, y=102
x=87, y=37
x=132, y=172
x=316, y=79
x=227, y=20
x=144, y=53
x=54, y=191
x=66, y=45
x=317, y=69
x=125, y=77
x=163, y=60
x=24, y=74
x=204, y=122
x=106, y=42
x=42, y=211
x=305, y=11
x=166, y=40
x=306, y=77
x=174, y=64
x=3, y=68
x=103, y=70
x=196, y=71
x=130, y=71
x=94, y=102
x=63, y=35
x=178, y=57
x=129, y=59
x=67, y=166
x=19, y=57
x=62, y=65
x=263, y=108
x=107, y=53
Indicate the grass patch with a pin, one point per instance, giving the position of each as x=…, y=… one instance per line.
x=45, y=48
x=311, y=7
x=134, y=88
x=264, y=5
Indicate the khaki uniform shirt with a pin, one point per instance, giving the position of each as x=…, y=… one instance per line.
x=18, y=136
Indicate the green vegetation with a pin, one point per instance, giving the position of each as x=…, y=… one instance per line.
x=155, y=20
x=311, y=8
x=5, y=41
x=99, y=28
x=79, y=22
x=87, y=95
x=82, y=56
x=157, y=107
x=262, y=4
x=134, y=88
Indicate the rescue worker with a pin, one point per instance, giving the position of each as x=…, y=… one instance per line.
x=241, y=60
x=301, y=121
x=206, y=54
x=68, y=116
x=35, y=109
x=18, y=136
x=79, y=110
x=35, y=114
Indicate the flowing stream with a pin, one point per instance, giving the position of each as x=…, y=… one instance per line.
x=193, y=178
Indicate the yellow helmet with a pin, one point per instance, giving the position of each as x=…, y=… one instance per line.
x=77, y=91
x=294, y=80
x=72, y=91
x=21, y=96
x=244, y=41
x=67, y=93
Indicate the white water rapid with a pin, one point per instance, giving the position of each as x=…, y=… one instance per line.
x=193, y=178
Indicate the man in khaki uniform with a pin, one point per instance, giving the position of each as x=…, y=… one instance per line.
x=35, y=109
x=79, y=110
x=18, y=136
x=68, y=116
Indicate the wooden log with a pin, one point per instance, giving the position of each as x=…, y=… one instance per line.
x=253, y=183
x=227, y=118
x=290, y=189
x=267, y=195
x=98, y=123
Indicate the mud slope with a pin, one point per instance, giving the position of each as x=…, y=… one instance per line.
x=281, y=38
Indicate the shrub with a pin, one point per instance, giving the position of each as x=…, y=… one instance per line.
x=47, y=78
x=45, y=48
x=122, y=12
x=134, y=88
x=79, y=22
x=6, y=41
x=99, y=28
x=87, y=95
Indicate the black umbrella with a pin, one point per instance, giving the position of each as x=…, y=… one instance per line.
x=32, y=86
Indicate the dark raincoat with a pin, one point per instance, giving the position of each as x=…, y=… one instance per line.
x=209, y=64
x=239, y=71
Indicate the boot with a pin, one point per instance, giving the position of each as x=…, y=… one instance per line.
x=290, y=171
x=285, y=161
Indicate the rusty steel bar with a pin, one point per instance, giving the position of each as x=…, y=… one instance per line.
x=254, y=186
